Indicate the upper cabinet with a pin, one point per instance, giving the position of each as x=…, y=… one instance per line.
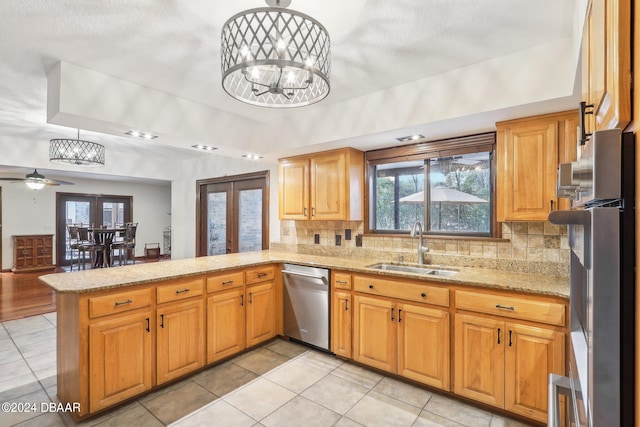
x=322, y=186
x=606, y=64
x=528, y=152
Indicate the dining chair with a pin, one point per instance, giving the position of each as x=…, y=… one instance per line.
x=128, y=243
x=89, y=244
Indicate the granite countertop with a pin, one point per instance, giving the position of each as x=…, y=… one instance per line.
x=109, y=278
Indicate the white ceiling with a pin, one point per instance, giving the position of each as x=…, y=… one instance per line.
x=173, y=47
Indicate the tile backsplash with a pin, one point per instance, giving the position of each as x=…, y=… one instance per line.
x=528, y=247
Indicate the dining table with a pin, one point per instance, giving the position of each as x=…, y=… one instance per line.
x=105, y=237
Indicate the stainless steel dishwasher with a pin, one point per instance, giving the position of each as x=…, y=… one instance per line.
x=306, y=304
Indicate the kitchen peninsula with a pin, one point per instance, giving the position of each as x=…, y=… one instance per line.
x=125, y=331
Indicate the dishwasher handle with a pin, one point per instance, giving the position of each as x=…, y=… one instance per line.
x=299, y=273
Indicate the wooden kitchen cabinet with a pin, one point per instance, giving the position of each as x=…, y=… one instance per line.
x=180, y=331
x=260, y=310
x=225, y=324
x=606, y=64
x=32, y=253
x=503, y=362
x=408, y=339
x=322, y=186
x=180, y=339
x=121, y=356
x=341, y=323
x=528, y=152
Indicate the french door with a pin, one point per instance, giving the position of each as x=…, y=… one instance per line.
x=89, y=210
x=233, y=214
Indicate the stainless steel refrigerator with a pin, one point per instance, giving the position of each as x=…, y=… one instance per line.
x=601, y=235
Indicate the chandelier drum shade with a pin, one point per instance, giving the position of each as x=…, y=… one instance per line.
x=76, y=152
x=275, y=57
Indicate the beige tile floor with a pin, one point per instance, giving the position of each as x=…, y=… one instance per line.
x=279, y=384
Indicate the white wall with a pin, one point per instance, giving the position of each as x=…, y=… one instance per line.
x=183, y=197
x=26, y=211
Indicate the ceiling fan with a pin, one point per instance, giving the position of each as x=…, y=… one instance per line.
x=36, y=180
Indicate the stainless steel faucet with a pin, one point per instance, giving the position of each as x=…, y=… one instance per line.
x=417, y=228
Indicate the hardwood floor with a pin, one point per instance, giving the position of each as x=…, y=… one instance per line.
x=22, y=295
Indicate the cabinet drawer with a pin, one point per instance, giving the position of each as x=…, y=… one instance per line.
x=342, y=281
x=225, y=281
x=262, y=274
x=181, y=289
x=118, y=303
x=513, y=307
x=411, y=291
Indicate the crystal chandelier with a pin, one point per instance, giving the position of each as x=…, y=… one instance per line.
x=76, y=152
x=275, y=57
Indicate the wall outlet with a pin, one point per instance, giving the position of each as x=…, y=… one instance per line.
x=338, y=240
x=347, y=234
x=359, y=240
x=316, y=239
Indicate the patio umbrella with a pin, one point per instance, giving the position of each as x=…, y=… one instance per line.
x=443, y=195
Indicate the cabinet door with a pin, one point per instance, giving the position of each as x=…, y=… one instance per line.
x=374, y=332
x=294, y=189
x=606, y=64
x=24, y=252
x=261, y=324
x=43, y=251
x=180, y=339
x=329, y=187
x=120, y=355
x=532, y=354
x=341, y=324
x=479, y=359
x=528, y=156
x=225, y=324
x=423, y=345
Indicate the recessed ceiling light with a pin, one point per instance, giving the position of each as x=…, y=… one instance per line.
x=139, y=134
x=410, y=137
x=252, y=156
x=204, y=147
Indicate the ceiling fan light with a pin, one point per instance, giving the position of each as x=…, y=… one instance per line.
x=34, y=184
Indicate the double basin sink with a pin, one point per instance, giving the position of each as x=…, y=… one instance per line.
x=423, y=270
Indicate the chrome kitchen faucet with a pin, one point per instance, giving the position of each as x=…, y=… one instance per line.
x=417, y=228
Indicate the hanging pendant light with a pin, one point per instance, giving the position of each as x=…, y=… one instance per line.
x=76, y=152
x=275, y=57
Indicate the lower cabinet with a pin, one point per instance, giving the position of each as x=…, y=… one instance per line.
x=261, y=324
x=180, y=339
x=225, y=324
x=407, y=339
x=341, y=309
x=506, y=364
x=121, y=356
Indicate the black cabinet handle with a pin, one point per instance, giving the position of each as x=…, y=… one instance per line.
x=250, y=297
x=182, y=291
x=148, y=325
x=423, y=295
x=503, y=307
x=399, y=315
x=241, y=299
x=342, y=282
x=392, y=318
x=510, y=338
x=162, y=321
x=262, y=274
x=346, y=304
x=370, y=286
x=119, y=303
x=498, y=335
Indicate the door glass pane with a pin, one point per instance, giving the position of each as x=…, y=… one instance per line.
x=250, y=220
x=76, y=212
x=112, y=214
x=217, y=221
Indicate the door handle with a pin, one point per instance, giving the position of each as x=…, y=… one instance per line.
x=510, y=343
x=498, y=335
x=250, y=297
x=392, y=318
x=242, y=300
x=162, y=321
x=399, y=315
x=346, y=304
x=148, y=325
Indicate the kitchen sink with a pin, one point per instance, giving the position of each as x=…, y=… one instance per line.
x=425, y=270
